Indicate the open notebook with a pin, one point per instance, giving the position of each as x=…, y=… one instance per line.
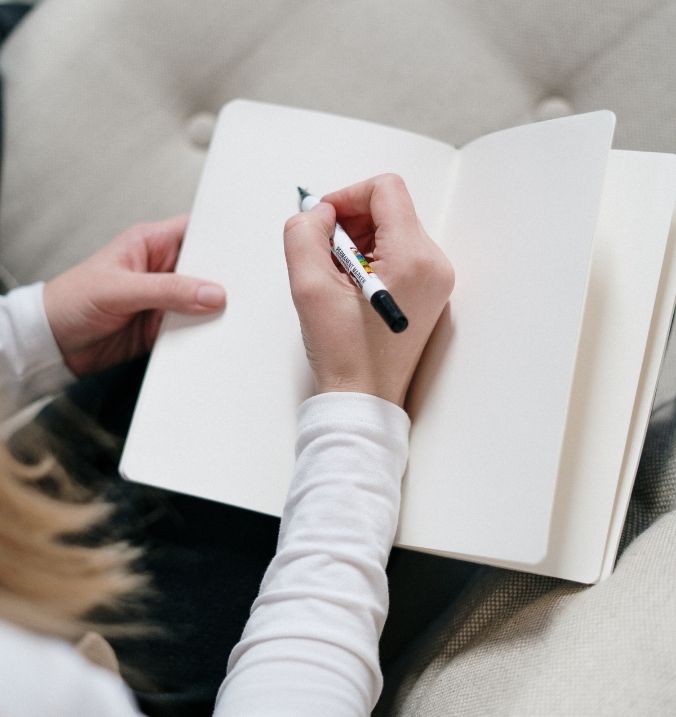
x=532, y=399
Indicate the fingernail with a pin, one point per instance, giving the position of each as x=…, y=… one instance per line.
x=211, y=295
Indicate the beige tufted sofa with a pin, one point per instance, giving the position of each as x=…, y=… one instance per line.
x=110, y=103
x=109, y=107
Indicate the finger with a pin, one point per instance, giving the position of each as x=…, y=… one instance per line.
x=159, y=242
x=308, y=250
x=168, y=292
x=163, y=242
x=359, y=228
x=384, y=198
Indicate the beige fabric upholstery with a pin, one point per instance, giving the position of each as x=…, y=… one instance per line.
x=107, y=103
x=109, y=109
x=519, y=644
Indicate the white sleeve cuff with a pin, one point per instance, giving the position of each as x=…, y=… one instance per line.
x=31, y=347
x=349, y=409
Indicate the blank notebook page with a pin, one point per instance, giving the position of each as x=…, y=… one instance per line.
x=491, y=401
x=216, y=416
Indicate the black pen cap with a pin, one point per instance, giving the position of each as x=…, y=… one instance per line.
x=385, y=305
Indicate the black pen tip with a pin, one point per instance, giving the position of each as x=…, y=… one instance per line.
x=303, y=193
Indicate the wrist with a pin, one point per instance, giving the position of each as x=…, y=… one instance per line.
x=40, y=367
x=52, y=301
x=391, y=393
x=67, y=336
x=354, y=408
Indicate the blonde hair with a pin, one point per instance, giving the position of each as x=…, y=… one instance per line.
x=50, y=582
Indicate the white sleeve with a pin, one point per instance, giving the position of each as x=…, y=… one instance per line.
x=310, y=646
x=44, y=676
x=31, y=364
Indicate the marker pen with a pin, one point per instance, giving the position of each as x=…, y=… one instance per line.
x=359, y=270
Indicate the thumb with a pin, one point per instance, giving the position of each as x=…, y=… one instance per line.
x=307, y=246
x=168, y=292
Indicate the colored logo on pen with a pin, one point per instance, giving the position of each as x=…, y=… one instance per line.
x=362, y=260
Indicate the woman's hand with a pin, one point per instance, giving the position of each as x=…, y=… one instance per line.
x=348, y=345
x=108, y=308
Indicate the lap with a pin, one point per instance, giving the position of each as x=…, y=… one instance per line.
x=206, y=560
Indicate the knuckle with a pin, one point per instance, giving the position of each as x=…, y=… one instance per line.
x=424, y=265
x=434, y=268
x=297, y=223
x=172, y=286
x=447, y=277
x=140, y=230
x=135, y=235
x=182, y=285
x=391, y=180
x=441, y=272
x=306, y=292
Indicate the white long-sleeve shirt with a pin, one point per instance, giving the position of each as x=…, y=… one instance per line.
x=31, y=364
x=311, y=643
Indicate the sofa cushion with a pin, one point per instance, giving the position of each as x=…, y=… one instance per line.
x=102, y=99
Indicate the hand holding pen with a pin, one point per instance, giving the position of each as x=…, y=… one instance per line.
x=360, y=271
x=349, y=346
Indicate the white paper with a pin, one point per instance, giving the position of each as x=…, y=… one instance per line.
x=489, y=417
x=216, y=416
x=217, y=412
x=620, y=346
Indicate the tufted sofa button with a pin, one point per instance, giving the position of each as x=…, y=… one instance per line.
x=200, y=127
x=553, y=107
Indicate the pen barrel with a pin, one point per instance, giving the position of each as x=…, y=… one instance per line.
x=355, y=264
x=360, y=271
x=349, y=257
x=308, y=202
